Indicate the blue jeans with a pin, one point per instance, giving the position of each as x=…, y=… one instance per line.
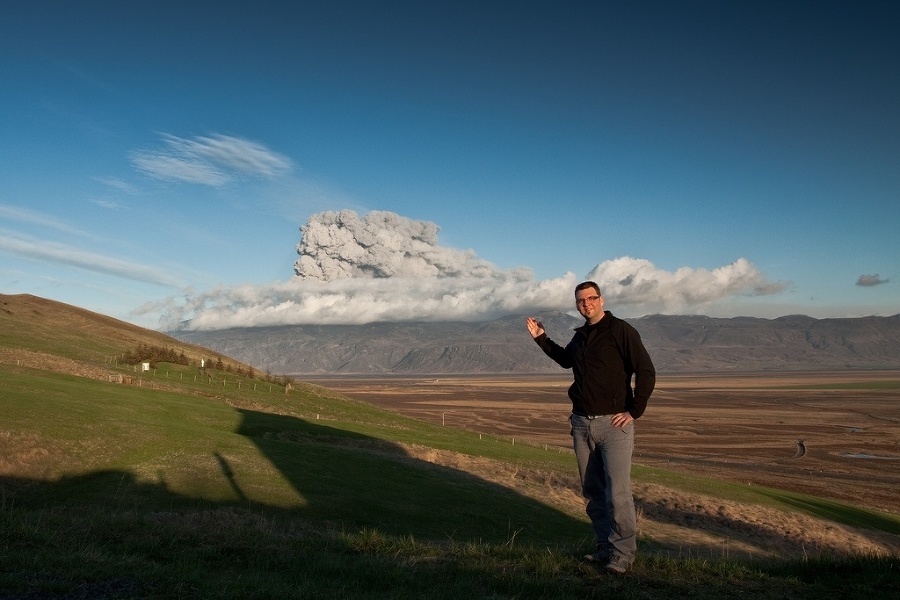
x=604, y=464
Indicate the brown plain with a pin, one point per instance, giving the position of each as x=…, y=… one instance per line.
x=830, y=435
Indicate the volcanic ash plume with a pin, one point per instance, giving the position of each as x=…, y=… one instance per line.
x=340, y=245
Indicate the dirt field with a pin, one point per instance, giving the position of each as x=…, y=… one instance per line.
x=832, y=435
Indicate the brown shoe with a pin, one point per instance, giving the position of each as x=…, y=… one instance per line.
x=617, y=564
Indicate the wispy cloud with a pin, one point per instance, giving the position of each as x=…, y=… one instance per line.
x=234, y=153
x=178, y=168
x=116, y=190
x=870, y=280
x=213, y=160
x=107, y=203
x=56, y=253
x=22, y=215
x=385, y=267
x=118, y=185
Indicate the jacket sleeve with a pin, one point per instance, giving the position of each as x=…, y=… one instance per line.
x=554, y=351
x=637, y=361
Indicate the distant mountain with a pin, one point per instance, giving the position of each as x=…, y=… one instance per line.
x=676, y=343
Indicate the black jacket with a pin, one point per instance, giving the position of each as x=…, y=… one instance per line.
x=603, y=357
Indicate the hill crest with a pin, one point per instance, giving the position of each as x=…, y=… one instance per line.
x=55, y=336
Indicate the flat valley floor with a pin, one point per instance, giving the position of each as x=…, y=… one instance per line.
x=831, y=434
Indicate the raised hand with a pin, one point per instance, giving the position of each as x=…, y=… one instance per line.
x=535, y=328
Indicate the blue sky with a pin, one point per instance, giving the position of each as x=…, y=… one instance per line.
x=158, y=159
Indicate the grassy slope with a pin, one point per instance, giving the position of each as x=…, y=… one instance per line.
x=39, y=325
x=198, y=490
x=316, y=458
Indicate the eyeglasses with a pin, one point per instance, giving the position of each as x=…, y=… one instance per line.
x=586, y=300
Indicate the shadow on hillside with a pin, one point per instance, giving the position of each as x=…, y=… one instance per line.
x=358, y=482
x=349, y=482
x=150, y=542
x=345, y=481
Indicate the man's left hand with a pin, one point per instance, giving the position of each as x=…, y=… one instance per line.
x=621, y=419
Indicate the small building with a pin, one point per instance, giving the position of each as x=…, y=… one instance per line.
x=145, y=366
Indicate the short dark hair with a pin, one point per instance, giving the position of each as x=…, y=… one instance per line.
x=588, y=284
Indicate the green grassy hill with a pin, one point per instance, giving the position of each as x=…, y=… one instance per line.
x=46, y=333
x=200, y=483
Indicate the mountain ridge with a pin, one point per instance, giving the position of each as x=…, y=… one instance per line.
x=677, y=344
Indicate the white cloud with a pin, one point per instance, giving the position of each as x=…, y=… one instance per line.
x=233, y=153
x=384, y=267
x=107, y=203
x=56, y=253
x=178, y=168
x=22, y=215
x=213, y=160
x=117, y=185
x=362, y=300
x=644, y=289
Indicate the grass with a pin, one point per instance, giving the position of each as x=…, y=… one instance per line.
x=93, y=435
x=786, y=500
x=240, y=553
x=185, y=488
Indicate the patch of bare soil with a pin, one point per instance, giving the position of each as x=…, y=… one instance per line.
x=838, y=442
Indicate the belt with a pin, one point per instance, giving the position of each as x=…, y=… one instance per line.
x=590, y=417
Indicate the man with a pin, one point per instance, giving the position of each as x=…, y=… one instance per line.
x=604, y=354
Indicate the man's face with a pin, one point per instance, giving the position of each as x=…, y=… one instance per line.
x=589, y=304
